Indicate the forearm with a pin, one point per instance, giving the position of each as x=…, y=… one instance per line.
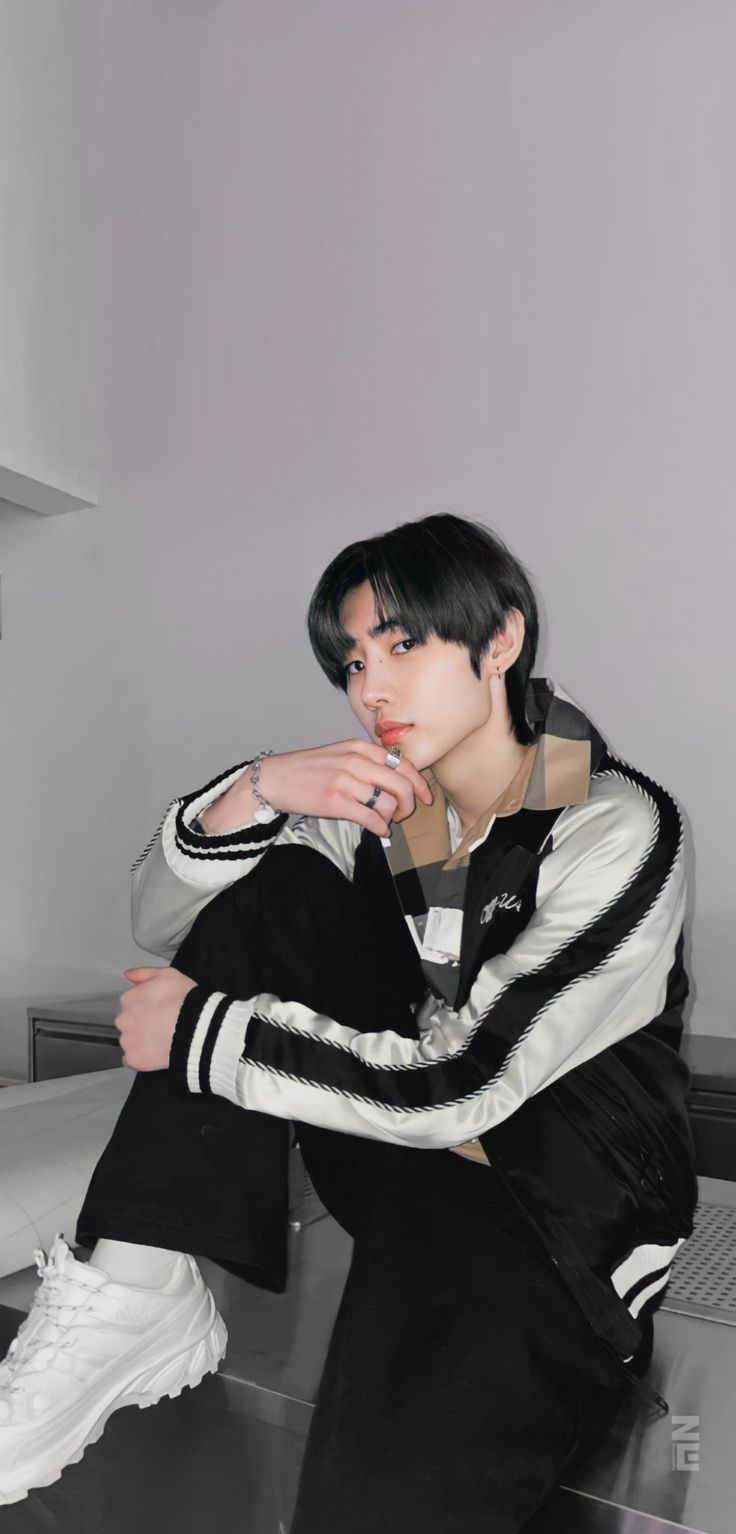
x=181, y=869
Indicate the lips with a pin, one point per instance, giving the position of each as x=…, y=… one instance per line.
x=391, y=731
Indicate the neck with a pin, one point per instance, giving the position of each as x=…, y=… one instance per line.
x=480, y=768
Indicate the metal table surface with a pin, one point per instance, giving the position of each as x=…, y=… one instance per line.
x=230, y=1451
x=276, y=1353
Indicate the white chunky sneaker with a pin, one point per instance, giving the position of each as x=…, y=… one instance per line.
x=89, y=1346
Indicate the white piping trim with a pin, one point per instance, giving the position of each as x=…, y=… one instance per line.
x=646, y=1294
x=648, y=1258
x=198, y=1038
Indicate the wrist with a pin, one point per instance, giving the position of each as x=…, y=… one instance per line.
x=266, y=811
x=184, y=1031
x=232, y=811
x=243, y=804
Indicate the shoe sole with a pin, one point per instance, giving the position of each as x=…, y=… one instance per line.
x=167, y=1377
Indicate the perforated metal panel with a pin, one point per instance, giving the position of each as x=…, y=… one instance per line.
x=703, y=1278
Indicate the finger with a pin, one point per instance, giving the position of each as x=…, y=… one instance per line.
x=397, y=785
x=142, y=972
x=407, y=769
x=388, y=803
x=372, y=774
x=356, y=810
x=378, y=754
x=422, y=786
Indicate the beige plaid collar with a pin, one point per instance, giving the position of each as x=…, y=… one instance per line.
x=554, y=772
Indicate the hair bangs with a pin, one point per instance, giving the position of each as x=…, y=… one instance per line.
x=400, y=592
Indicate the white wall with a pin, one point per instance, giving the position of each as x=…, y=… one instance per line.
x=354, y=263
x=46, y=190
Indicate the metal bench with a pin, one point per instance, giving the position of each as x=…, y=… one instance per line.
x=243, y=1431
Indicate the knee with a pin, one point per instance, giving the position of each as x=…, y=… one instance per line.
x=288, y=866
x=274, y=889
x=287, y=927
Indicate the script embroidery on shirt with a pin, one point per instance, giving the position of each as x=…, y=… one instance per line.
x=504, y=902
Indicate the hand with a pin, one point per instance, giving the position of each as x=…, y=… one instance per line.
x=148, y=1015
x=334, y=781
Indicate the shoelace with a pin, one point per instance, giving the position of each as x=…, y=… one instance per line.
x=46, y=1300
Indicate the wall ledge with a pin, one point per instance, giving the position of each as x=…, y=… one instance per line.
x=44, y=496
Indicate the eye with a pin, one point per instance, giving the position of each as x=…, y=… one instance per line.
x=348, y=672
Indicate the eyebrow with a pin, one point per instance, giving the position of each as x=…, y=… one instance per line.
x=386, y=626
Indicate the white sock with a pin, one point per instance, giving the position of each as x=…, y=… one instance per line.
x=128, y=1263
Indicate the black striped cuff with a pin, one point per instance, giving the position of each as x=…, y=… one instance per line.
x=253, y=839
x=181, y=1044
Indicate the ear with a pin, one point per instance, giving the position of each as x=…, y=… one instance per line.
x=505, y=647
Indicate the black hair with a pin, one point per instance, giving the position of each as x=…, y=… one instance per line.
x=443, y=575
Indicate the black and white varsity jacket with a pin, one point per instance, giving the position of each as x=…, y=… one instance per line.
x=548, y=1041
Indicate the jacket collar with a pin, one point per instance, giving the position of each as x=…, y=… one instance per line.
x=554, y=772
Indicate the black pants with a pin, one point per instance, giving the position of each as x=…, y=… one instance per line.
x=460, y=1375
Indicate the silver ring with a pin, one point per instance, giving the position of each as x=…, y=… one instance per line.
x=393, y=757
x=369, y=803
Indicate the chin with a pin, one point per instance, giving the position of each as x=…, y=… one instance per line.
x=418, y=759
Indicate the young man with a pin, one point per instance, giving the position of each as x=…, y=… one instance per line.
x=461, y=936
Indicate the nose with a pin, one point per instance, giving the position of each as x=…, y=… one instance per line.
x=376, y=687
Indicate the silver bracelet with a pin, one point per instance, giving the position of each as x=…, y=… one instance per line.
x=265, y=811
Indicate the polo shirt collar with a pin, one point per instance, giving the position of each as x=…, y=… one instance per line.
x=554, y=772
